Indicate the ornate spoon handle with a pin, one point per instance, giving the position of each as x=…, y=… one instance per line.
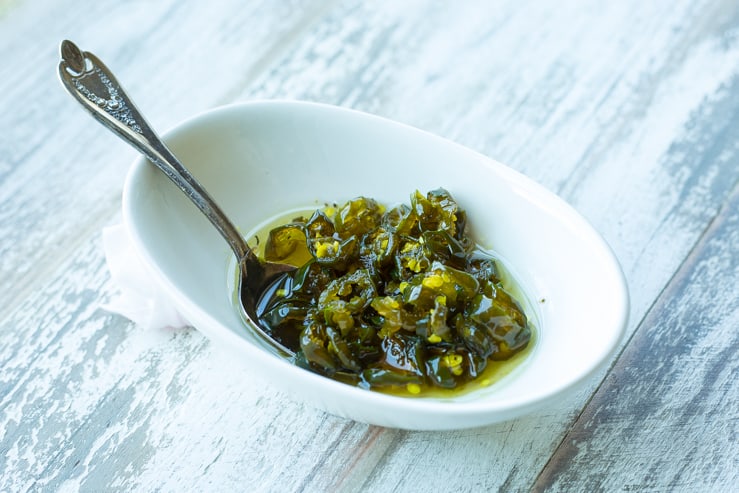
x=95, y=87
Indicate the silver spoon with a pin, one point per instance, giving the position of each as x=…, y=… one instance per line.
x=87, y=79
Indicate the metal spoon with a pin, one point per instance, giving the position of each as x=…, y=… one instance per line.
x=87, y=79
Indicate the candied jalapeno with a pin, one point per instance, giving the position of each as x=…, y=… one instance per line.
x=390, y=312
x=314, y=346
x=287, y=244
x=319, y=225
x=403, y=220
x=357, y=217
x=476, y=338
x=310, y=280
x=440, y=280
x=356, y=288
x=402, y=363
x=396, y=299
x=334, y=252
x=411, y=258
x=482, y=267
x=503, y=320
x=436, y=211
x=397, y=218
x=442, y=247
x=345, y=298
x=432, y=323
x=284, y=322
x=364, y=343
x=445, y=367
x=339, y=347
x=378, y=247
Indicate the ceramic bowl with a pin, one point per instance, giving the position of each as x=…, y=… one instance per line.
x=261, y=159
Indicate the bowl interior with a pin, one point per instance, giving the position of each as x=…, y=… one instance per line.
x=261, y=159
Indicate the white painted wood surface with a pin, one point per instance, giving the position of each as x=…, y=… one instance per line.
x=629, y=110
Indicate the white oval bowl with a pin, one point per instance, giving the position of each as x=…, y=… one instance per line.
x=263, y=158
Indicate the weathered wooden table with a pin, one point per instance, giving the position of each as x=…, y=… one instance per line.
x=629, y=110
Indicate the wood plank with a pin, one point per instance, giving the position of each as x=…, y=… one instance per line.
x=620, y=122
x=59, y=170
x=628, y=110
x=91, y=402
x=650, y=192
x=665, y=419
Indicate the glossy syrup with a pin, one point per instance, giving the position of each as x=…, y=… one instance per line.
x=495, y=371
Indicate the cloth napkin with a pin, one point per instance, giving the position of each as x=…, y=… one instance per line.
x=139, y=297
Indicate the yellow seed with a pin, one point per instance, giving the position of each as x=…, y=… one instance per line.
x=441, y=299
x=281, y=292
x=330, y=211
x=345, y=324
x=413, y=388
x=402, y=286
x=383, y=244
x=321, y=249
x=325, y=249
x=434, y=338
x=433, y=281
x=408, y=247
x=457, y=370
x=452, y=360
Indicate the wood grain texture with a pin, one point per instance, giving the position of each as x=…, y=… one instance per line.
x=629, y=110
x=55, y=163
x=667, y=415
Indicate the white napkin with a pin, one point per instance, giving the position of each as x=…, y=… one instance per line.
x=140, y=298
